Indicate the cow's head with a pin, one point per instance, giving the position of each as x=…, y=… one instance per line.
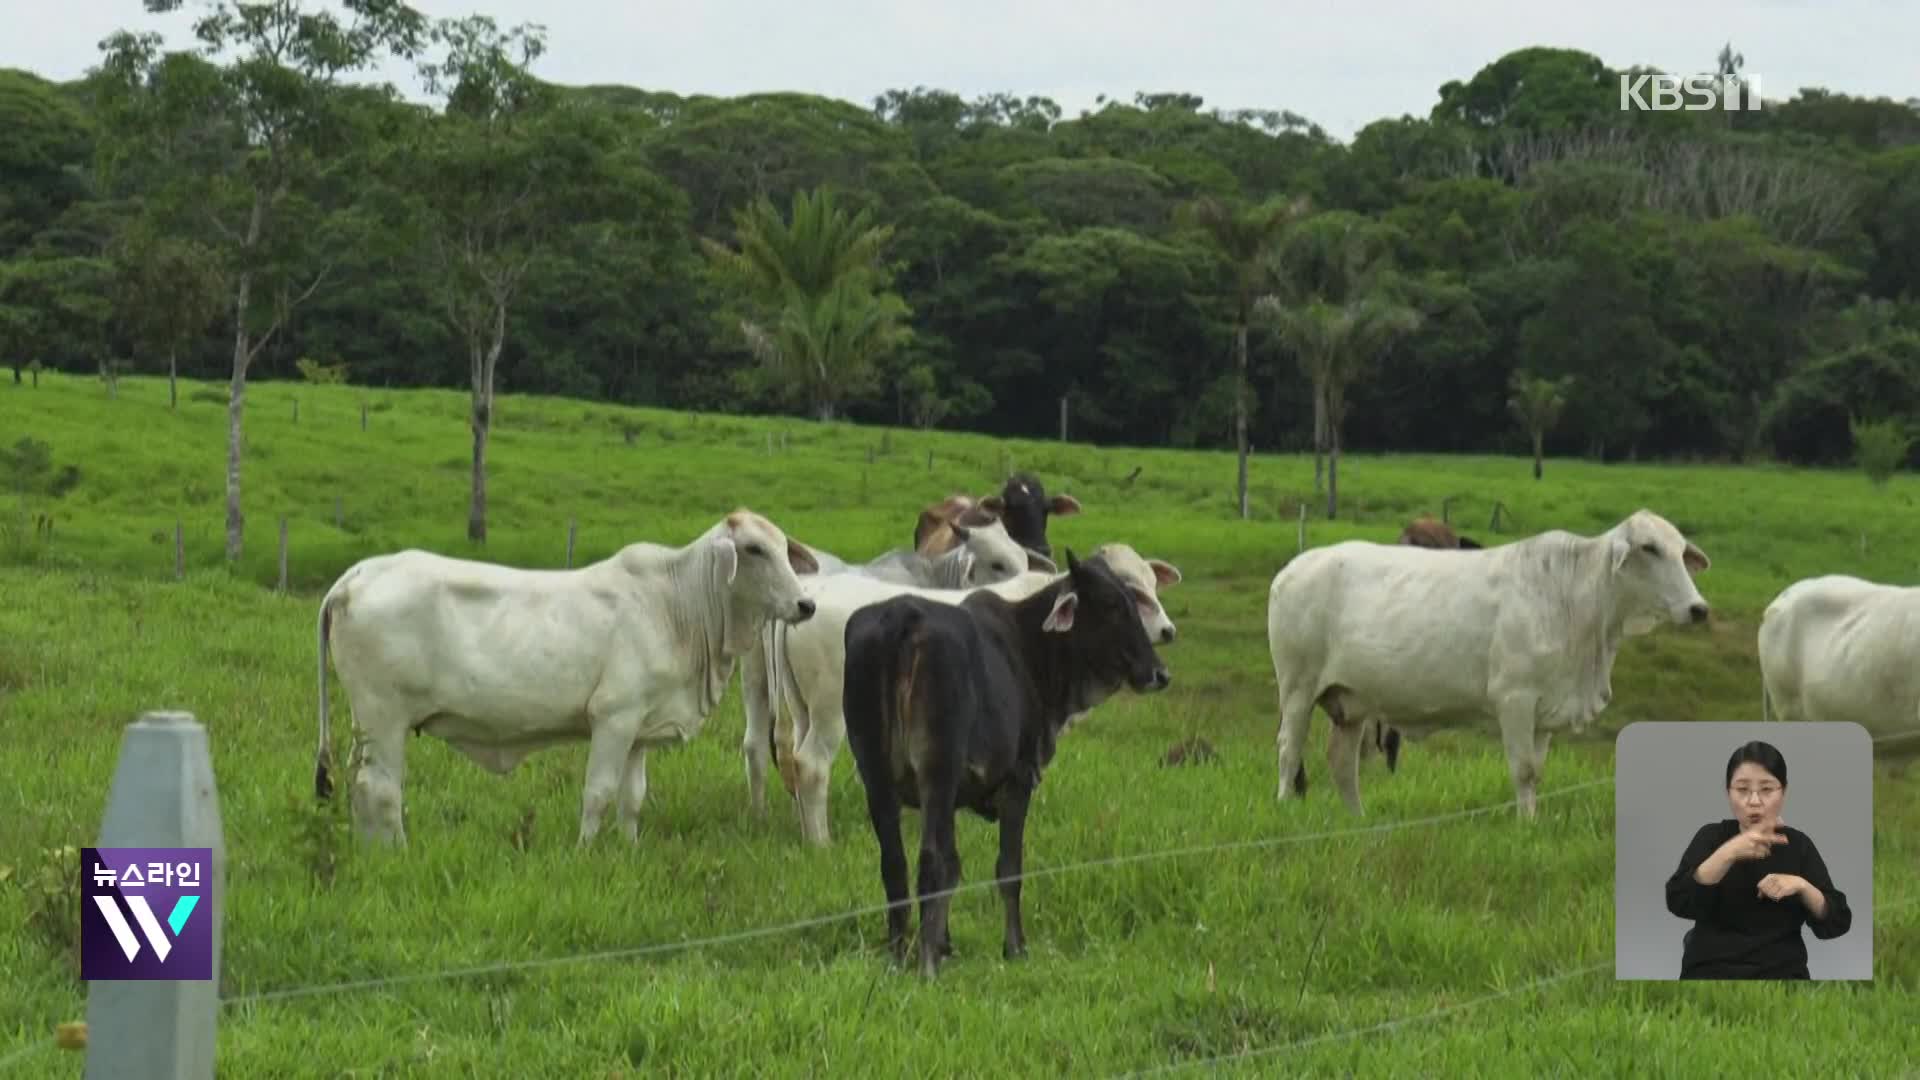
x=1144, y=578
x=993, y=556
x=757, y=568
x=1653, y=567
x=1024, y=506
x=1101, y=620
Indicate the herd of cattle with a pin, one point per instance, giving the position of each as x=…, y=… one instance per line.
x=951, y=668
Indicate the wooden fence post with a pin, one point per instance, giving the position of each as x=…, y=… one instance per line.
x=179, y=552
x=339, y=513
x=163, y=795
x=929, y=461
x=570, y=528
x=1303, y=526
x=363, y=416
x=1446, y=510
x=296, y=410
x=1063, y=418
x=283, y=554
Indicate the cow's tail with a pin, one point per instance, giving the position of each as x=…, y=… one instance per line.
x=323, y=758
x=1766, y=704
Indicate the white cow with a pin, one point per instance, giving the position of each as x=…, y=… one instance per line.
x=984, y=555
x=1841, y=648
x=1523, y=635
x=631, y=652
x=796, y=713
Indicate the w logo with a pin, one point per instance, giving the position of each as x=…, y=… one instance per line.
x=122, y=935
x=143, y=914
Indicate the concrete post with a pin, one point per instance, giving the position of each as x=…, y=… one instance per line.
x=163, y=795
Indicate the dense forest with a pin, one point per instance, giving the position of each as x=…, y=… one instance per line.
x=1527, y=268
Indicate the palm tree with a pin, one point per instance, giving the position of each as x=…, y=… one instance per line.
x=1335, y=306
x=1336, y=343
x=1536, y=403
x=1244, y=235
x=819, y=286
x=823, y=347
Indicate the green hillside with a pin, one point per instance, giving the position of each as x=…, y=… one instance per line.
x=1150, y=962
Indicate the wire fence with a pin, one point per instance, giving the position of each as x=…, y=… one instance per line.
x=659, y=948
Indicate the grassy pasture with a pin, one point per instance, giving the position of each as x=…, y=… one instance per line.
x=1146, y=963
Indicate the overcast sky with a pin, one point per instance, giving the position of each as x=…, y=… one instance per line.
x=1340, y=65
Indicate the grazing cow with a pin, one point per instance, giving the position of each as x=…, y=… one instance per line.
x=1523, y=635
x=1023, y=504
x=1430, y=532
x=794, y=715
x=952, y=706
x=631, y=652
x=1841, y=648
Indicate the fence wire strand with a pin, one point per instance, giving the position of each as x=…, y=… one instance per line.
x=1385, y=1025
x=22, y=1053
x=880, y=908
x=1400, y=1022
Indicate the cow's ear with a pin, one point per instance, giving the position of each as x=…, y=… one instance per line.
x=1619, y=552
x=800, y=558
x=960, y=532
x=726, y=556
x=1164, y=572
x=1037, y=561
x=1060, y=619
x=1695, y=559
x=993, y=504
x=1064, y=505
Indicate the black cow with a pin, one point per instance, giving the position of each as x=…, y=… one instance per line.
x=951, y=706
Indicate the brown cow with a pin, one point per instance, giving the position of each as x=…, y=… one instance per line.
x=1022, y=504
x=1429, y=532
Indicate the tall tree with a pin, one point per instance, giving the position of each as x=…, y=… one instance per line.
x=1337, y=306
x=167, y=291
x=276, y=93
x=499, y=175
x=1243, y=235
x=1536, y=402
x=821, y=309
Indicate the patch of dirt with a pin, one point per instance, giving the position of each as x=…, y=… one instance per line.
x=1194, y=751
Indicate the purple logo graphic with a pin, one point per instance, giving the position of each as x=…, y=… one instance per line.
x=146, y=913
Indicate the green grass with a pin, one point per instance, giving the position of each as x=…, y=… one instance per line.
x=1142, y=964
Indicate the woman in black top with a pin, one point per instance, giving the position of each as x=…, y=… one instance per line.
x=1750, y=881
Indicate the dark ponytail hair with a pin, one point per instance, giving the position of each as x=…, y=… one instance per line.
x=1762, y=754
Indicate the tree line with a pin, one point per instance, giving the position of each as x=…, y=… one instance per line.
x=1530, y=267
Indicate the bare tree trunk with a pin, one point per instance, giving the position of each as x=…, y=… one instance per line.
x=1319, y=430
x=236, y=413
x=173, y=378
x=1537, y=438
x=1333, y=471
x=236, y=409
x=484, y=358
x=1240, y=408
x=477, y=511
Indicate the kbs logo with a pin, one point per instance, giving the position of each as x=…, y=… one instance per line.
x=1668, y=94
x=122, y=933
